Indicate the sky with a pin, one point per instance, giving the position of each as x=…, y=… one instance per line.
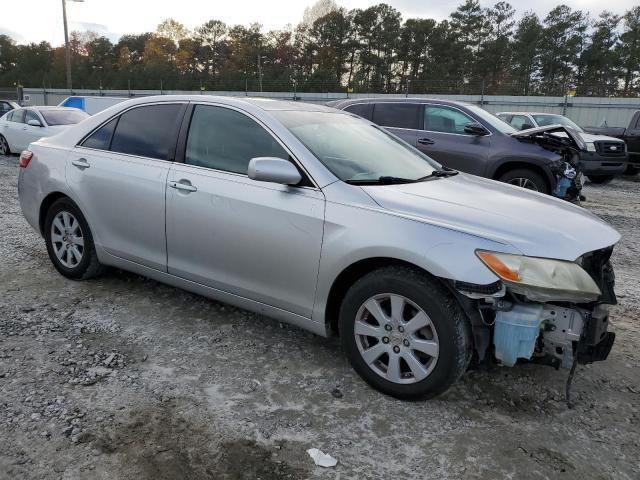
x=37, y=20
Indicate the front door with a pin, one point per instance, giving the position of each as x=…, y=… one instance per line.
x=253, y=239
x=444, y=139
x=118, y=176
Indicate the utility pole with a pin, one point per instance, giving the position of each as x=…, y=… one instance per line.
x=67, y=47
x=260, y=72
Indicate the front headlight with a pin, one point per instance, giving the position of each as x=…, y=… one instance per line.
x=591, y=147
x=542, y=279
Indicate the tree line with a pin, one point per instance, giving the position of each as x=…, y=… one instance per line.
x=475, y=50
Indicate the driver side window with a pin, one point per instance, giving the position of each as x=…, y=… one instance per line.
x=444, y=119
x=224, y=139
x=31, y=115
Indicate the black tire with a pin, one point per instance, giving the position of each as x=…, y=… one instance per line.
x=447, y=318
x=512, y=177
x=632, y=170
x=600, y=179
x=88, y=266
x=4, y=146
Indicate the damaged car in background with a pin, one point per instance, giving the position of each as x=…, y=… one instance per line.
x=327, y=221
x=466, y=137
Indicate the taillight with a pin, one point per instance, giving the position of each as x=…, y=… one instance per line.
x=25, y=158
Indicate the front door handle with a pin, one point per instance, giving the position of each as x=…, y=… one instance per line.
x=183, y=185
x=81, y=163
x=425, y=141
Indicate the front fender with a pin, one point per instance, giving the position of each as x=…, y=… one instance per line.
x=443, y=252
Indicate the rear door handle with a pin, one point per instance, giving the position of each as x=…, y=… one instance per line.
x=425, y=141
x=184, y=186
x=81, y=163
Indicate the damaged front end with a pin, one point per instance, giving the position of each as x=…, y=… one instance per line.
x=567, y=143
x=546, y=311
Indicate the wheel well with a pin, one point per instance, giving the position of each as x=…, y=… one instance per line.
x=506, y=167
x=349, y=276
x=44, y=207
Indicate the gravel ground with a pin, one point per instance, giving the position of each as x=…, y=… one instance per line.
x=123, y=377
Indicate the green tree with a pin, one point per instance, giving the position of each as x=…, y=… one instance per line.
x=526, y=53
x=629, y=51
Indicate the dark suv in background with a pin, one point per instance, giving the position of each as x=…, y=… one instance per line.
x=463, y=137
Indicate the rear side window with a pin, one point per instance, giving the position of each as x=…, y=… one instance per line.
x=398, y=115
x=445, y=119
x=361, y=109
x=16, y=116
x=224, y=139
x=101, y=138
x=148, y=131
x=4, y=107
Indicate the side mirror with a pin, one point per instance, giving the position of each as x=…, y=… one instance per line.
x=274, y=170
x=526, y=126
x=474, y=128
x=34, y=123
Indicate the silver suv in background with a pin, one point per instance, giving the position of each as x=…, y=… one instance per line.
x=325, y=220
x=602, y=158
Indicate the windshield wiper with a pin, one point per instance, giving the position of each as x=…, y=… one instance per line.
x=389, y=180
x=444, y=172
x=384, y=180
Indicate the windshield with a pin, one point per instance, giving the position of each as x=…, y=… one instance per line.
x=63, y=117
x=545, y=120
x=491, y=119
x=353, y=149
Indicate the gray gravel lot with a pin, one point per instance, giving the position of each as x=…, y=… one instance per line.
x=123, y=377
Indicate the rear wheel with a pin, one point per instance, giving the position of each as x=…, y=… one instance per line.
x=525, y=178
x=600, y=179
x=403, y=333
x=69, y=241
x=4, y=146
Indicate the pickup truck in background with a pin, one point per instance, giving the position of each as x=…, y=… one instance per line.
x=631, y=136
x=603, y=156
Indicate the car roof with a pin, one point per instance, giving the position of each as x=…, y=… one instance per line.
x=267, y=104
x=352, y=101
x=530, y=113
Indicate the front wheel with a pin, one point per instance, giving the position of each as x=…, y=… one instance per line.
x=69, y=241
x=600, y=179
x=404, y=334
x=632, y=170
x=525, y=178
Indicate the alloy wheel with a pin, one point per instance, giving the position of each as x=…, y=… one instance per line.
x=524, y=183
x=4, y=146
x=67, y=239
x=396, y=338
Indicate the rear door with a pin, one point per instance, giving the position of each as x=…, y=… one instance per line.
x=400, y=118
x=118, y=175
x=253, y=239
x=443, y=138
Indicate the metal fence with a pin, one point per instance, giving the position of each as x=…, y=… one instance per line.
x=586, y=111
x=9, y=93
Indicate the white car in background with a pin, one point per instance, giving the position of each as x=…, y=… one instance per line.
x=22, y=126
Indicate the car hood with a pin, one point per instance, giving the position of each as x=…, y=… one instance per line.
x=590, y=137
x=535, y=224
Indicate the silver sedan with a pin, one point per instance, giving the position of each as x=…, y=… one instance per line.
x=319, y=218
